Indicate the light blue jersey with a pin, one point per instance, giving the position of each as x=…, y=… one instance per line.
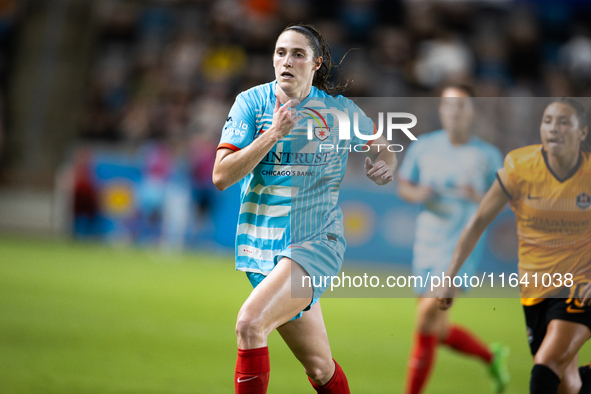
x=433, y=161
x=289, y=200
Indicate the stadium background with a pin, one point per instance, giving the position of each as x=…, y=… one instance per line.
x=110, y=112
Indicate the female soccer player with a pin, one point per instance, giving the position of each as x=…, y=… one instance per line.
x=548, y=186
x=448, y=171
x=289, y=226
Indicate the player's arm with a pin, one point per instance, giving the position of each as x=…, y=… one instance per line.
x=380, y=163
x=490, y=206
x=230, y=166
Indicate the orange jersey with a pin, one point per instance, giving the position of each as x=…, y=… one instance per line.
x=553, y=218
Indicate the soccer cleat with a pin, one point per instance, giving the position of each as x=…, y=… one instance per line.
x=498, y=368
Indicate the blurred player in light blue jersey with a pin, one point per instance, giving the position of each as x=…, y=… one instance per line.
x=282, y=144
x=448, y=171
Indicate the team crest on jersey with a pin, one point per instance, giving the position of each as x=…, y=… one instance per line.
x=583, y=201
x=322, y=133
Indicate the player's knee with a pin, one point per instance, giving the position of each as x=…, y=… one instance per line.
x=428, y=324
x=319, y=370
x=429, y=316
x=554, y=362
x=249, y=327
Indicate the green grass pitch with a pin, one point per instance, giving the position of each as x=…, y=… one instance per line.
x=80, y=318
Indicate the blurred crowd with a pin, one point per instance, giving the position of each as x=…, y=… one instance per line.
x=8, y=20
x=165, y=73
x=170, y=70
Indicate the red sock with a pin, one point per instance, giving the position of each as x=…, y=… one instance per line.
x=420, y=362
x=464, y=341
x=336, y=385
x=252, y=371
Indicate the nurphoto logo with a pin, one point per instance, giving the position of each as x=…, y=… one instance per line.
x=322, y=131
x=318, y=128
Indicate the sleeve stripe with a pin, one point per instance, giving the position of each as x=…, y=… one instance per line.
x=229, y=146
x=503, y=186
x=374, y=133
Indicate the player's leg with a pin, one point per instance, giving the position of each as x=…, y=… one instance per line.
x=307, y=339
x=466, y=342
x=571, y=380
x=269, y=305
x=432, y=324
x=431, y=319
x=555, y=360
x=585, y=373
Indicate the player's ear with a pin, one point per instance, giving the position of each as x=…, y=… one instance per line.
x=584, y=133
x=318, y=63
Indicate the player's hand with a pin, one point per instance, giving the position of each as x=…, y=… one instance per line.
x=285, y=117
x=445, y=296
x=379, y=172
x=445, y=303
x=586, y=295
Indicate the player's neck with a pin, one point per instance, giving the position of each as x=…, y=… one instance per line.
x=457, y=139
x=562, y=166
x=295, y=94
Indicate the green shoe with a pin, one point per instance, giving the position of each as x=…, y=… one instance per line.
x=498, y=368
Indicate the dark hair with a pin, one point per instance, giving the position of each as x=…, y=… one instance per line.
x=320, y=49
x=581, y=115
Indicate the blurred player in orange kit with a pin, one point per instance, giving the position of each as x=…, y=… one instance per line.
x=548, y=186
x=448, y=171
